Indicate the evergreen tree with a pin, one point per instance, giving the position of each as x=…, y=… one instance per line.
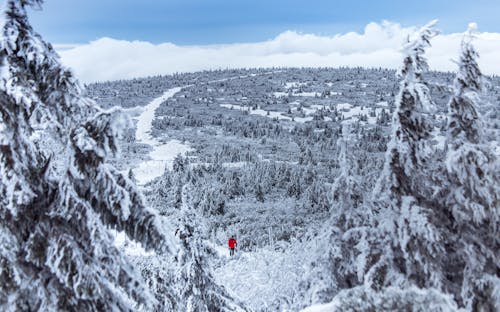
x=57, y=252
x=348, y=189
x=196, y=285
x=473, y=197
x=408, y=248
x=408, y=149
x=335, y=265
x=259, y=193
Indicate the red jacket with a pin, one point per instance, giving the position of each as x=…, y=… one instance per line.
x=232, y=243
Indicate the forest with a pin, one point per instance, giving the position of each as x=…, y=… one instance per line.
x=347, y=189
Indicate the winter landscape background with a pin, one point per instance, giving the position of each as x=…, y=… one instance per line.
x=371, y=186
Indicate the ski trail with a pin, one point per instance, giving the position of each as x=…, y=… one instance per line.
x=163, y=154
x=143, y=133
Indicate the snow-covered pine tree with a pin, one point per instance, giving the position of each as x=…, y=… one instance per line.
x=473, y=198
x=408, y=150
x=335, y=262
x=56, y=251
x=196, y=286
x=408, y=249
x=348, y=188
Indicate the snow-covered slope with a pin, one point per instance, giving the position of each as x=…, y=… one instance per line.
x=162, y=154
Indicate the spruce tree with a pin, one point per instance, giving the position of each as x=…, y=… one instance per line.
x=335, y=262
x=408, y=150
x=195, y=283
x=473, y=190
x=56, y=210
x=408, y=248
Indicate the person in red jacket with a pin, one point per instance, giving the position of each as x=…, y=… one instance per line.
x=232, y=245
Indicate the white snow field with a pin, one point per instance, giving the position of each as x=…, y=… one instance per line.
x=350, y=113
x=269, y=114
x=261, y=278
x=327, y=307
x=163, y=154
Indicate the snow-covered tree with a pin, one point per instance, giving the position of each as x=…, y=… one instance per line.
x=335, y=265
x=473, y=198
x=348, y=189
x=470, y=162
x=195, y=284
x=56, y=251
x=259, y=193
x=408, y=150
x=408, y=249
x=364, y=299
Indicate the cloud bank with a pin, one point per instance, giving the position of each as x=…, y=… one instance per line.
x=378, y=46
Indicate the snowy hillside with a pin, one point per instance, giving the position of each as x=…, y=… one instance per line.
x=345, y=189
x=263, y=157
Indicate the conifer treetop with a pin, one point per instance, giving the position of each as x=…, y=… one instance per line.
x=415, y=62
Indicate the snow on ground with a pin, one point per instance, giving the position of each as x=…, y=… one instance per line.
x=269, y=114
x=280, y=94
x=257, y=111
x=439, y=138
x=296, y=93
x=342, y=106
x=355, y=111
x=221, y=251
x=236, y=164
x=309, y=94
x=351, y=113
x=162, y=157
x=294, y=84
x=263, y=277
x=143, y=133
x=163, y=154
x=130, y=247
x=327, y=307
x=496, y=148
x=314, y=108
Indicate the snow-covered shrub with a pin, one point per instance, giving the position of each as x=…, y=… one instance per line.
x=365, y=299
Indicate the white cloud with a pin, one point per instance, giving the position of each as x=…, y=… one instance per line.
x=378, y=46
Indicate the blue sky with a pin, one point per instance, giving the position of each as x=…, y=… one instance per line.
x=197, y=22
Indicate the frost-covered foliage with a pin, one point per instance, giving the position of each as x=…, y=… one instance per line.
x=432, y=236
x=473, y=193
x=408, y=150
x=470, y=162
x=56, y=251
x=266, y=279
x=196, y=286
x=365, y=299
x=409, y=248
x=158, y=273
x=264, y=160
x=341, y=240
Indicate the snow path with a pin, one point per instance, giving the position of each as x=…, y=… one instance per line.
x=260, y=277
x=163, y=154
x=143, y=133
